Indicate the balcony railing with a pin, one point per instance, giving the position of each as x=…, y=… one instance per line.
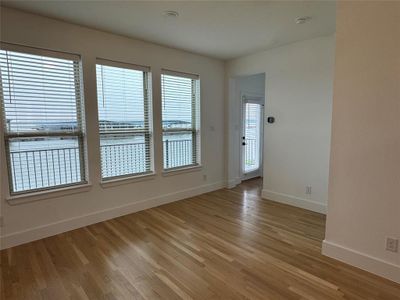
x=124, y=159
x=251, y=154
x=37, y=169
x=178, y=153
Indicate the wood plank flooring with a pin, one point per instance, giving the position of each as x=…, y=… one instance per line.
x=227, y=244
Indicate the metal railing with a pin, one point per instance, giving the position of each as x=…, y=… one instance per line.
x=132, y=158
x=178, y=153
x=37, y=169
x=123, y=159
x=251, y=154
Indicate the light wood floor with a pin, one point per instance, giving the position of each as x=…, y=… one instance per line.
x=228, y=244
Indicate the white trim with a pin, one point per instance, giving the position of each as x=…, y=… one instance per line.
x=39, y=51
x=294, y=201
x=123, y=65
x=231, y=183
x=252, y=97
x=179, y=74
x=127, y=180
x=48, y=193
x=21, y=237
x=362, y=260
x=180, y=170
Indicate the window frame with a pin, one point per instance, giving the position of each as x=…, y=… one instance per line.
x=195, y=129
x=80, y=133
x=148, y=118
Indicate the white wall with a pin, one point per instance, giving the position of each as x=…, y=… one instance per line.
x=37, y=219
x=364, y=187
x=298, y=93
x=251, y=84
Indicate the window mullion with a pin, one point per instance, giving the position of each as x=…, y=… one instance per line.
x=80, y=116
x=146, y=108
x=194, y=123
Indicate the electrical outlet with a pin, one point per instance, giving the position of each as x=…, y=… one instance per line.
x=392, y=244
x=205, y=177
x=308, y=189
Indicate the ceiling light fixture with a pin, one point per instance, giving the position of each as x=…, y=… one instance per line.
x=302, y=20
x=171, y=13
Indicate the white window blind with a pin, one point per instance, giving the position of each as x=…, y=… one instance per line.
x=124, y=107
x=180, y=119
x=43, y=118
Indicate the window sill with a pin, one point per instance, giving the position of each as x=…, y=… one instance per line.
x=42, y=195
x=126, y=180
x=177, y=171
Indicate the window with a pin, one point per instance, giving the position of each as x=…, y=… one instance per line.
x=124, y=108
x=180, y=119
x=42, y=117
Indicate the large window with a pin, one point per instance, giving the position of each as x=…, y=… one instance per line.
x=124, y=108
x=42, y=117
x=180, y=119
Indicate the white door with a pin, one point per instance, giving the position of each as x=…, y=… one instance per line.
x=252, y=121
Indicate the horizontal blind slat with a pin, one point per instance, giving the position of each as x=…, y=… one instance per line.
x=179, y=120
x=41, y=97
x=124, y=112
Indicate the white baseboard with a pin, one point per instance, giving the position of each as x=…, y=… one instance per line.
x=294, y=201
x=231, y=183
x=361, y=260
x=40, y=232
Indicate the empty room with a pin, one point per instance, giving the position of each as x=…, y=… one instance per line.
x=199, y=149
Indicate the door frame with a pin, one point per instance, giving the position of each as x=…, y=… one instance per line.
x=248, y=97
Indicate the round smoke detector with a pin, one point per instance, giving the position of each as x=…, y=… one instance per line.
x=302, y=20
x=171, y=13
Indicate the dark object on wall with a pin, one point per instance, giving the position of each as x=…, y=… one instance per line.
x=271, y=120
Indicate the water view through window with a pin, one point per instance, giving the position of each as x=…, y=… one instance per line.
x=180, y=120
x=41, y=98
x=43, y=114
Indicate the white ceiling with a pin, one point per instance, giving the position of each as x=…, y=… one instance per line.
x=221, y=29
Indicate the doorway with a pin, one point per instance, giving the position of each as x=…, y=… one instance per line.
x=252, y=136
x=245, y=136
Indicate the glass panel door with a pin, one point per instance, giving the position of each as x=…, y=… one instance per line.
x=251, y=146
